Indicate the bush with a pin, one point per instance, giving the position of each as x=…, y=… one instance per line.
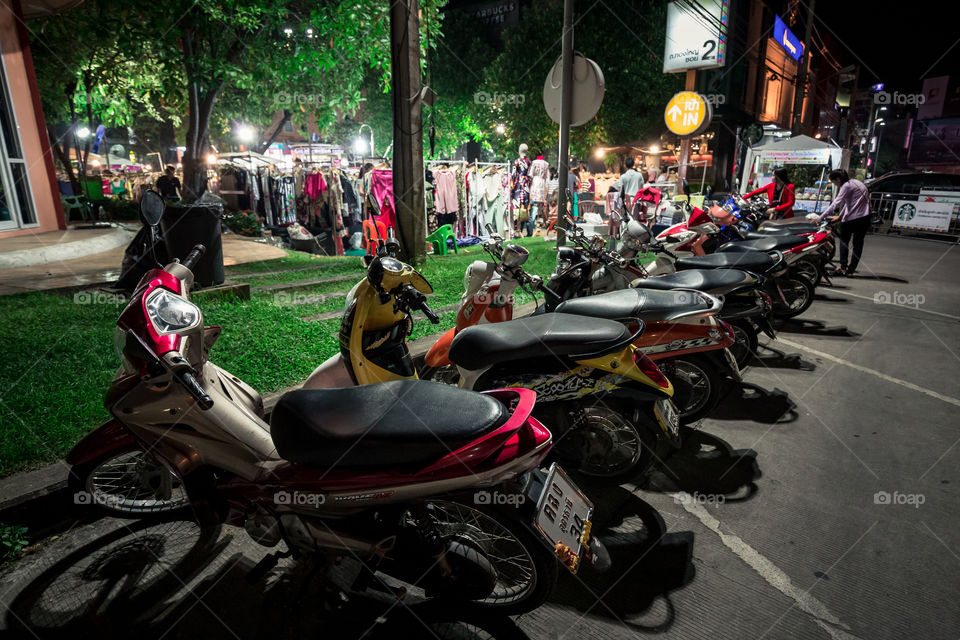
x=245, y=222
x=117, y=209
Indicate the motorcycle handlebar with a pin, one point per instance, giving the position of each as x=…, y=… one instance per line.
x=194, y=256
x=189, y=382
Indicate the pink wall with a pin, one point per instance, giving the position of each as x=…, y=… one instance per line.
x=33, y=138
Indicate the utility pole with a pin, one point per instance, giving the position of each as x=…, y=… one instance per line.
x=407, y=129
x=566, y=97
x=802, y=74
x=684, y=158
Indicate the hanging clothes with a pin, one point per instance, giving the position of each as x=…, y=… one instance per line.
x=520, y=183
x=494, y=202
x=539, y=172
x=314, y=185
x=381, y=189
x=446, y=196
x=335, y=201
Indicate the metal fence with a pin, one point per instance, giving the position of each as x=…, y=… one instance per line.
x=883, y=207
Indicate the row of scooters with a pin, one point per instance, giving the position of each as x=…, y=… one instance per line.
x=461, y=492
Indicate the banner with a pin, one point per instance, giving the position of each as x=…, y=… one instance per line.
x=923, y=216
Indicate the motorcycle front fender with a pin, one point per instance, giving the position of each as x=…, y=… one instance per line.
x=108, y=437
x=439, y=354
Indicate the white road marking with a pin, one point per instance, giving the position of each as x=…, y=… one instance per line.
x=893, y=304
x=874, y=372
x=772, y=574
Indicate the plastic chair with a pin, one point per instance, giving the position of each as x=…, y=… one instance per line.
x=439, y=240
x=373, y=233
x=74, y=203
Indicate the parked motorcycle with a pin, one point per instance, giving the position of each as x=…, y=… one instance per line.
x=681, y=332
x=435, y=486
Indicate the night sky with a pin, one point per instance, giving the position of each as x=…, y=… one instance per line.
x=900, y=42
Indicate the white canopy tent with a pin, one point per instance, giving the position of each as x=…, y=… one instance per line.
x=796, y=150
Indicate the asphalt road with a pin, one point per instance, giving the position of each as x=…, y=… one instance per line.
x=819, y=501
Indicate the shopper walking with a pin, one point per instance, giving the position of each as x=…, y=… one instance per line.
x=854, y=221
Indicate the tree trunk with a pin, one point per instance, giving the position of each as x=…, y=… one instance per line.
x=63, y=157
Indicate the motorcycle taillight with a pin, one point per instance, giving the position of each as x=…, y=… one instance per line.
x=650, y=369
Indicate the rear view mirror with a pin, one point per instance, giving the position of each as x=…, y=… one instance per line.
x=151, y=208
x=708, y=190
x=686, y=187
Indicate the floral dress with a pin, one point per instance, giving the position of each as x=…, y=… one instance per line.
x=520, y=183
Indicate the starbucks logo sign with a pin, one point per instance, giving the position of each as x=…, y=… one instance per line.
x=906, y=212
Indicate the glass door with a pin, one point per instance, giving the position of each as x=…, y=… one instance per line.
x=16, y=198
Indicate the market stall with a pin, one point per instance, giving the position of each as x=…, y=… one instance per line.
x=798, y=150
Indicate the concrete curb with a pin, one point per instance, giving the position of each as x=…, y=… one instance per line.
x=58, y=252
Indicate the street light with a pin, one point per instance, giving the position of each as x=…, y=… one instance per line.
x=501, y=129
x=212, y=158
x=83, y=132
x=359, y=146
x=246, y=134
x=373, y=151
x=599, y=153
x=654, y=148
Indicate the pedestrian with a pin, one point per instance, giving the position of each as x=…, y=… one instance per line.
x=168, y=185
x=780, y=194
x=630, y=181
x=854, y=221
x=520, y=188
x=553, y=182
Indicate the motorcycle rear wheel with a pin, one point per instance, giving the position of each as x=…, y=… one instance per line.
x=604, y=442
x=809, y=269
x=526, y=569
x=799, y=295
x=696, y=385
x=747, y=342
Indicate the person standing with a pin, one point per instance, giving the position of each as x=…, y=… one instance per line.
x=780, y=194
x=539, y=172
x=520, y=188
x=855, y=219
x=630, y=181
x=168, y=185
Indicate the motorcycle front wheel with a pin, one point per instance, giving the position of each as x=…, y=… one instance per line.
x=128, y=482
x=798, y=294
x=809, y=269
x=526, y=570
x=747, y=342
x=603, y=442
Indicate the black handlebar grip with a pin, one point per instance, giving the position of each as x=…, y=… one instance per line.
x=431, y=315
x=194, y=389
x=194, y=256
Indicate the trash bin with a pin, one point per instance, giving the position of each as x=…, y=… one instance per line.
x=184, y=226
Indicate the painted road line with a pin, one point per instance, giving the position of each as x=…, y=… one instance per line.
x=894, y=304
x=874, y=372
x=770, y=572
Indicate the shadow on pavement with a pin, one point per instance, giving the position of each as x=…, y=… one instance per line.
x=815, y=328
x=133, y=581
x=746, y=401
x=648, y=564
x=771, y=358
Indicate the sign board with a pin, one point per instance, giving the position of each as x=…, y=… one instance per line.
x=696, y=35
x=787, y=39
x=687, y=113
x=923, y=216
x=589, y=87
x=795, y=156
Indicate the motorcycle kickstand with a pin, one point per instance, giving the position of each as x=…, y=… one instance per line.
x=266, y=564
x=368, y=578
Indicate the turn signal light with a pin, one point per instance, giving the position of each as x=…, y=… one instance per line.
x=650, y=368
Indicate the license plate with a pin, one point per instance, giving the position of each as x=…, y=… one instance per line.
x=668, y=417
x=563, y=517
x=734, y=369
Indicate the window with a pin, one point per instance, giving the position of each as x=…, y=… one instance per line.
x=16, y=198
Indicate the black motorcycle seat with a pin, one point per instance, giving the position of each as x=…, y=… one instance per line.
x=770, y=243
x=398, y=423
x=748, y=260
x=552, y=334
x=716, y=281
x=626, y=304
x=793, y=230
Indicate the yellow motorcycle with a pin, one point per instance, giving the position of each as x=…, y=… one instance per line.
x=608, y=405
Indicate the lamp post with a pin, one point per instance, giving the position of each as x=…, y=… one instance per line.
x=246, y=135
x=360, y=132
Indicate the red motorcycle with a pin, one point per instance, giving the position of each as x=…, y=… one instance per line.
x=433, y=485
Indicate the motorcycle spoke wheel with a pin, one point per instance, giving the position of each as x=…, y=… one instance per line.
x=606, y=443
x=130, y=482
x=692, y=386
x=513, y=562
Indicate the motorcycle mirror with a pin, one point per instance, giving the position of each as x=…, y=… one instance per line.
x=686, y=187
x=708, y=190
x=151, y=208
x=375, y=273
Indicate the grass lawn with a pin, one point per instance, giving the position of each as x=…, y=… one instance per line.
x=59, y=356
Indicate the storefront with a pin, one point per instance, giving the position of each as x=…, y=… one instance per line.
x=29, y=200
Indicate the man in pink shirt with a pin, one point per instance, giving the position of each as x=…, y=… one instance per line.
x=855, y=198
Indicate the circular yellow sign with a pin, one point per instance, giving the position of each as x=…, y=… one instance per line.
x=687, y=113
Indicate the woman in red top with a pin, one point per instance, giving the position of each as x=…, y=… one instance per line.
x=780, y=194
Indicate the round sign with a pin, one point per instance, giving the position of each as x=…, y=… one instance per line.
x=906, y=212
x=753, y=133
x=687, y=113
x=588, y=90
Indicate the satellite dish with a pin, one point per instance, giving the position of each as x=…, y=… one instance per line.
x=588, y=90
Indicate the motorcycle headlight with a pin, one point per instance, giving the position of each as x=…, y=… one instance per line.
x=170, y=313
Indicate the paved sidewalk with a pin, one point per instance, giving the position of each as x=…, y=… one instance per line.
x=103, y=267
